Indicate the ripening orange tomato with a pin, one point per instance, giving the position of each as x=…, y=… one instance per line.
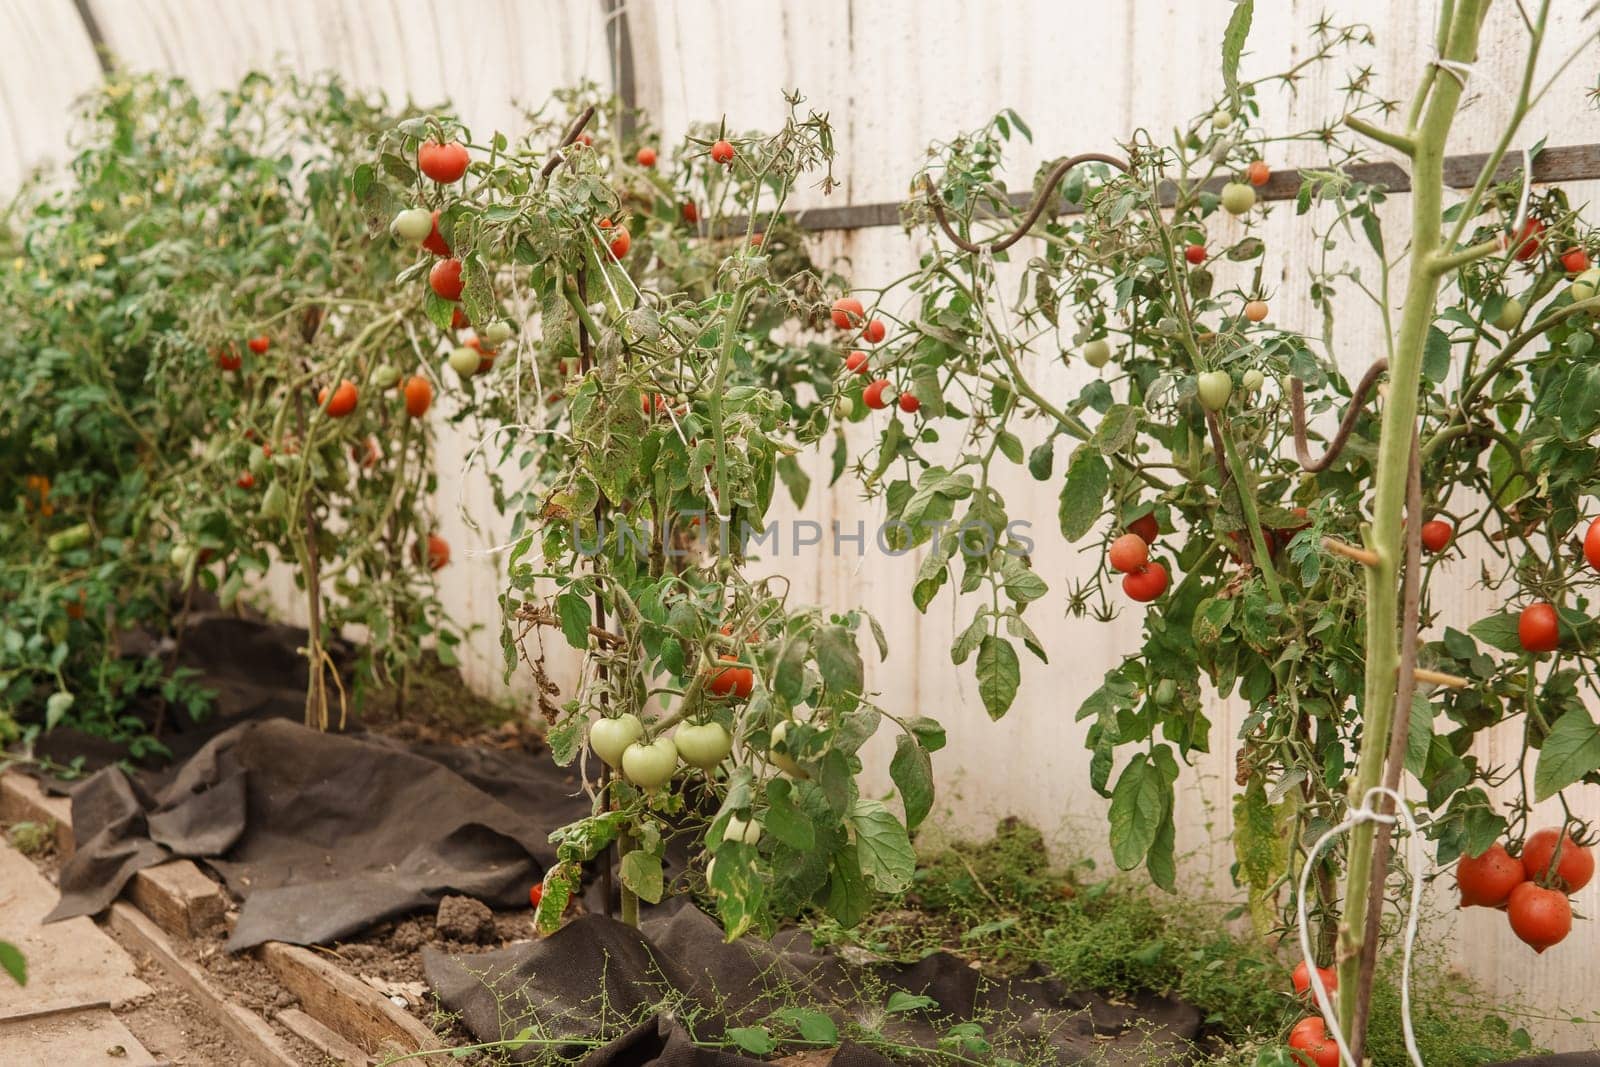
x=419, y=395
x=1258, y=173
x=646, y=157
x=343, y=401
x=444, y=163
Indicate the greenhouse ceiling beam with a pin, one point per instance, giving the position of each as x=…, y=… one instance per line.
x=97, y=39
x=1568, y=163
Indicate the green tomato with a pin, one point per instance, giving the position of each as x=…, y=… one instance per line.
x=1222, y=117
x=1237, y=198
x=739, y=830
x=1510, y=316
x=1097, y=353
x=182, y=555
x=385, y=377
x=703, y=745
x=781, y=760
x=611, y=737
x=1166, y=691
x=1584, y=286
x=844, y=407
x=413, y=224
x=464, y=361
x=1215, y=388
x=650, y=766
x=1252, y=380
x=497, y=333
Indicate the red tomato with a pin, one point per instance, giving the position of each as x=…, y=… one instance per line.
x=722, y=152
x=1436, y=535
x=874, y=332
x=1528, y=240
x=259, y=345
x=1146, y=583
x=343, y=401
x=1591, y=545
x=1258, y=173
x=1313, y=1047
x=1572, y=872
x=458, y=319
x=445, y=278
x=1538, y=628
x=621, y=242
x=847, y=311
x=1302, y=979
x=646, y=157
x=1128, y=553
x=909, y=404
x=1485, y=881
x=536, y=894
x=419, y=395
x=247, y=480
x=366, y=455
x=856, y=362
x=1146, y=527
x=1541, y=917
x=1575, y=260
x=476, y=344
x=691, y=214
x=1195, y=254
x=229, y=358
x=438, y=552
x=434, y=242
x=873, y=397
x=732, y=681
x=444, y=163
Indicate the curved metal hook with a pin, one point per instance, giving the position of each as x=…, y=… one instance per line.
x=1297, y=402
x=1040, y=201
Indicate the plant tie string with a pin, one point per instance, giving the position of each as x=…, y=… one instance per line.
x=1461, y=72
x=1368, y=812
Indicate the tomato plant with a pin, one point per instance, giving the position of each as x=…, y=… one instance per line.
x=662, y=373
x=182, y=302
x=1197, y=408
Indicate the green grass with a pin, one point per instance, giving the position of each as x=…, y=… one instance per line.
x=1001, y=902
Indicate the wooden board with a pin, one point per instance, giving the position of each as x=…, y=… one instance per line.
x=179, y=898
x=348, y=1006
x=250, y=1030
x=325, y=1040
x=81, y=1038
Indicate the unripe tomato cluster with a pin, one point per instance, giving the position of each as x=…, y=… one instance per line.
x=1532, y=889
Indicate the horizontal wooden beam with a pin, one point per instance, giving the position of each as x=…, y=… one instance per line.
x=1567, y=163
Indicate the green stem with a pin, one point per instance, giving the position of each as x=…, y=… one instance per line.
x=1394, y=452
x=730, y=338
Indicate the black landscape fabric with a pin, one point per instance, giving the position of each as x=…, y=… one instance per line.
x=321, y=835
x=596, y=978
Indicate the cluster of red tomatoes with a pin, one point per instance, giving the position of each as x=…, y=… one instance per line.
x=1143, y=578
x=1533, y=889
x=1309, y=1038
x=849, y=315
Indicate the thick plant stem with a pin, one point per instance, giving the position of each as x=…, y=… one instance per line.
x=1460, y=32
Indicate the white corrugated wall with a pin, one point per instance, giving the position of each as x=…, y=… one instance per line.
x=894, y=75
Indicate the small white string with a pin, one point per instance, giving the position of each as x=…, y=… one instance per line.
x=1461, y=72
x=1367, y=812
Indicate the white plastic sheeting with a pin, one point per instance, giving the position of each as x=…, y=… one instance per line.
x=894, y=75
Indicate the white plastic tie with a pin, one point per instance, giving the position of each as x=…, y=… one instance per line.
x=1366, y=813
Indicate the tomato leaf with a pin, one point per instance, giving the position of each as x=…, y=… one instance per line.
x=887, y=859
x=1233, y=39
x=1571, y=750
x=1137, y=811
x=1084, y=491
x=785, y=821
x=641, y=872
x=1436, y=355
x=575, y=616
x=1498, y=631
x=911, y=770
x=848, y=898
x=999, y=674
x=838, y=659
x=12, y=963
